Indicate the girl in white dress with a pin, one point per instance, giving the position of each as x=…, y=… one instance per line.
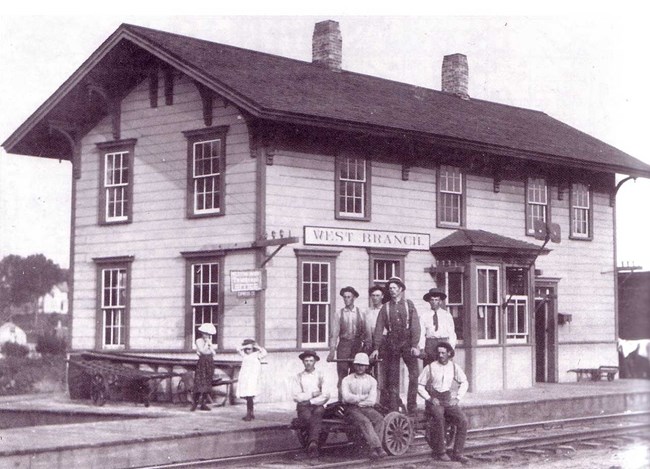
x=248, y=385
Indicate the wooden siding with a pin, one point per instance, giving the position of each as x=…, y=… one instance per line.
x=160, y=229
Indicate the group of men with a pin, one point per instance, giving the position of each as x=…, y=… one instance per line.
x=390, y=330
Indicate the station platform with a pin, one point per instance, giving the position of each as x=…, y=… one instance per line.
x=52, y=431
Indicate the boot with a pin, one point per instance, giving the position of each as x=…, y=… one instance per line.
x=195, y=401
x=249, y=410
x=249, y=416
x=203, y=405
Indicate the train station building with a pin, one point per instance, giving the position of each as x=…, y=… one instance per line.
x=217, y=184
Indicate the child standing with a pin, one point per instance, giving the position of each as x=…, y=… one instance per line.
x=204, y=367
x=248, y=385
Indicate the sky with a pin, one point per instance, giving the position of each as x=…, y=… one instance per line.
x=588, y=71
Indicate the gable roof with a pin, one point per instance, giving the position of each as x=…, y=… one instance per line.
x=481, y=241
x=282, y=89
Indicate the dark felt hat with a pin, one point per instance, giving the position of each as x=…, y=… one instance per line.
x=248, y=342
x=396, y=280
x=349, y=289
x=449, y=348
x=309, y=353
x=434, y=293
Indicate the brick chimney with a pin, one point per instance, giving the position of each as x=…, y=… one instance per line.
x=455, y=75
x=327, y=45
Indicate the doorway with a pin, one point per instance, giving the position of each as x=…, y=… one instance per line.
x=546, y=333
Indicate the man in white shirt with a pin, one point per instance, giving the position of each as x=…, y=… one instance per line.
x=359, y=391
x=436, y=387
x=377, y=295
x=437, y=326
x=307, y=392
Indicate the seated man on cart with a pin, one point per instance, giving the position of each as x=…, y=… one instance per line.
x=435, y=387
x=359, y=391
x=310, y=398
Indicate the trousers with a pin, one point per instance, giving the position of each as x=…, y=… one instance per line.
x=392, y=362
x=437, y=415
x=369, y=422
x=311, y=416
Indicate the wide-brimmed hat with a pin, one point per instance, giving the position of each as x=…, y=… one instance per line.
x=309, y=353
x=361, y=359
x=248, y=342
x=349, y=289
x=385, y=298
x=447, y=345
x=208, y=328
x=433, y=293
x=396, y=280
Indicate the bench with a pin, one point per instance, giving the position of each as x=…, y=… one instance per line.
x=595, y=374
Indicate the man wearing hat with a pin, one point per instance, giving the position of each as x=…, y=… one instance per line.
x=436, y=327
x=399, y=320
x=359, y=391
x=308, y=393
x=346, y=333
x=437, y=386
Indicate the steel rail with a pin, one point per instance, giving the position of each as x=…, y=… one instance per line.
x=472, y=448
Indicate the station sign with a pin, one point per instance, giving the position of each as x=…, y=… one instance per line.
x=330, y=236
x=246, y=280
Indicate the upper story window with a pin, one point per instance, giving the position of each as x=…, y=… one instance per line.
x=537, y=207
x=488, y=304
x=450, y=197
x=581, y=214
x=116, y=181
x=352, y=188
x=206, y=167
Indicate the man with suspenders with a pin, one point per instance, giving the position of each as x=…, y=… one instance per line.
x=400, y=320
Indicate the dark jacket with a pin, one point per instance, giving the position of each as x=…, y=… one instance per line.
x=403, y=329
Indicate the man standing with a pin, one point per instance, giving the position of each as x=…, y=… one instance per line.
x=346, y=333
x=377, y=295
x=435, y=387
x=399, y=319
x=436, y=327
x=307, y=391
x=360, y=393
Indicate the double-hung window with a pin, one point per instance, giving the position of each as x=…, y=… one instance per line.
x=204, y=291
x=116, y=181
x=316, y=274
x=537, y=207
x=450, y=197
x=206, y=168
x=352, y=188
x=452, y=284
x=488, y=304
x=581, y=218
x=113, y=300
x=517, y=307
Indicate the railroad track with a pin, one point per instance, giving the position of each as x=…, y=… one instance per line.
x=483, y=445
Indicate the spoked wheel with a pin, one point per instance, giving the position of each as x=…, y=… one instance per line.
x=183, y=393
x=98, y=390
x=398, y=433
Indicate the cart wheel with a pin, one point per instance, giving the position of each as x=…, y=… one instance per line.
x=398, y=433
x=595, y=376
x=183, y=393
x=610, y=376
x=220, y=395
x=98, y=390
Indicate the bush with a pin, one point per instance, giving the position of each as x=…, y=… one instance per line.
x=12, y=349
x=50, y=345
x=25, y=375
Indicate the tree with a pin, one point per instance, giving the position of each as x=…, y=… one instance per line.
x=25, y=279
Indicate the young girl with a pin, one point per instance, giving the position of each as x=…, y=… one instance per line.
x=204, y=367
x=248, y=385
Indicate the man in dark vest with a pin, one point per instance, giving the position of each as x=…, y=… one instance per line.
x=400, y=320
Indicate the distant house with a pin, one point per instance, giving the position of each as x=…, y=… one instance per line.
x=634, y=305
x=55, y=301
x=217, y=184
x=10, y=332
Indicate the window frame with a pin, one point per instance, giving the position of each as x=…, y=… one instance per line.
x=457, y=308
x=384, y=255
x=192, y=259
x=573, y=234
x=496, y=305
x=530, y=230
x=101, y=265
x=462, y=196
x=113, y=148
x=366, y=184
x=206, y=135
x=514, y=337
x=323, y=257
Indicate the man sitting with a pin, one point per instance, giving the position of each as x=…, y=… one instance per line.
x=359, y=391
x=307, y=391
x=435, y=387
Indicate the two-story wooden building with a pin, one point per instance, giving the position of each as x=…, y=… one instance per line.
x=218, y=184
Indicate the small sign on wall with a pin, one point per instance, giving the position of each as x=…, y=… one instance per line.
x=246, y=280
